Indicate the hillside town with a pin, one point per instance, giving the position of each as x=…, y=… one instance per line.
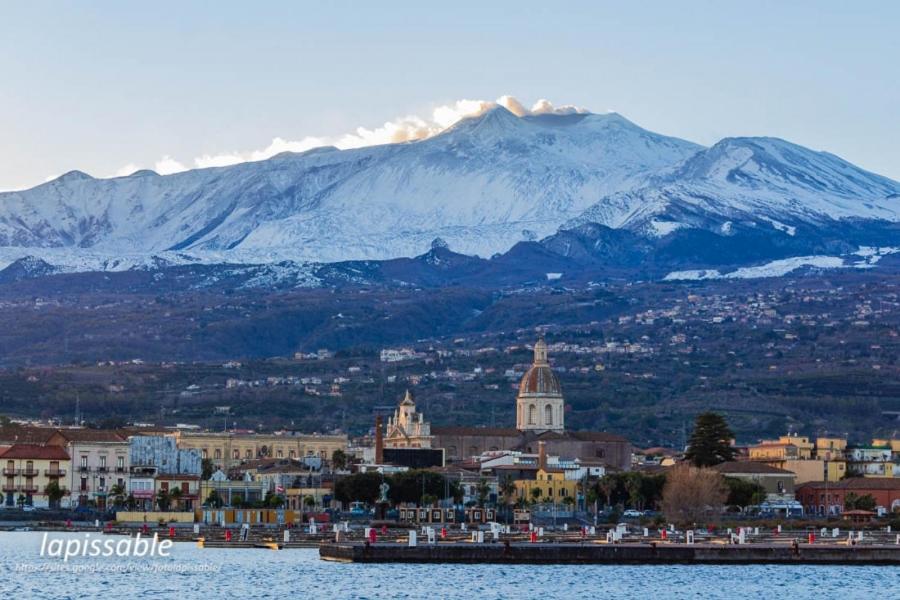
x=540, y=467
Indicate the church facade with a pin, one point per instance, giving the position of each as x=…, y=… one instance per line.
x=540, y=417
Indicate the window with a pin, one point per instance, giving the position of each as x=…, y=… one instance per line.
x=185, y=487
x=102, y=483
x=532, y=414
x=236, y=454
x=84, y=461
x=548, y=415
x=120, y=462
x=248, y=454
x=279, y=453
x=218, y=454
x=205, y=453
x=600, y=453
x=84, y=484
x=102, y=462
x=29, y=467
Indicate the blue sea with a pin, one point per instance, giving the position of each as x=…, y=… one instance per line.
x=192, y=572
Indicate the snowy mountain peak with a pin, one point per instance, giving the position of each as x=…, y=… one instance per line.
x=481, y=187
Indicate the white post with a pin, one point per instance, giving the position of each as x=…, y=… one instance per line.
x=412, y=538
x=593, y=530
x=287, y=536
x=835, y=532
x=480, y=537
x=741, y=537
x=196, y=528
x=431, y=536
x=366, y=532
x=647, y=532
x=756, y=531
x=540, y=532
x=565, y=526
x=689, y=536
x=859, y=536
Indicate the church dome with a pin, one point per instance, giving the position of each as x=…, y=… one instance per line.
x=540, y=378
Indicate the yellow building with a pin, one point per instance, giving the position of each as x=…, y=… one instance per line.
x=831, y=448
x=551, y=484
x=27, y=471
x=893, y=444
x=182, y=490
x=226, y=449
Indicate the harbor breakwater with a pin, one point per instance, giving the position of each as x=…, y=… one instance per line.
x=630, y=554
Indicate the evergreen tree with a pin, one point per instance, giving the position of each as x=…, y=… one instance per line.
x=710, y=442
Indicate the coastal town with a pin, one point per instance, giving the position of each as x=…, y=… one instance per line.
x=536, y=471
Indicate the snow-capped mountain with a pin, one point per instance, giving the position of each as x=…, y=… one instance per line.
x=597, y=191
x=764, y=182
x=482, y=185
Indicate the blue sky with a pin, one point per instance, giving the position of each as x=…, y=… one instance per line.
x=105, y=86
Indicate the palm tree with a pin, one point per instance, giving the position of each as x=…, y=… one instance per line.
x=163, y=500
x=176, y=498
x=606, y=486
x=508, y=491
x=483, y=489
x=118, y=493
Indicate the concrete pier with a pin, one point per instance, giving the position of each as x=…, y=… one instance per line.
x=633, y=554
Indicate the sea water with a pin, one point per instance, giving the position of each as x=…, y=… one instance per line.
x=217, y=574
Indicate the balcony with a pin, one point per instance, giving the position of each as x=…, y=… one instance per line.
x=9, y=488
x=11, y=472
x=30, y=472
x=84, y=469
x=121, y=469
x=29, y=489
x=55, y=472
x=103, y=469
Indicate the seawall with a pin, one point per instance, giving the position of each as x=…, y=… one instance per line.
x=591, y=553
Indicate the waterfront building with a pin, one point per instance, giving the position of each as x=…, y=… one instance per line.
x=100, y=464
x=820, y=497
x=870, y=460
x=27, y=471
x=549, y=484
x=227, y=449
x=242, y=490
x=181, y=489
x=777, y=484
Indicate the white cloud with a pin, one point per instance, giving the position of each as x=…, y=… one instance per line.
x=167, y=165
x=404, y=129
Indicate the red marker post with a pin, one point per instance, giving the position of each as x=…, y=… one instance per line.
x=372, y=536
x=227, y=535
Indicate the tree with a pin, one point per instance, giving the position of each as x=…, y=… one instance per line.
x=206, y=468
x=163, y=500
x=855, y=502
x=54, y=493
x=507, y=489
x=535, y=494
x=118, y=494
x=710, y=442
x=692, y=494
x=214, y=500
x=605, y=487
x=742, y=493
x=175, y=495
x=339, y=460
x=482, y=489
x=361, y=487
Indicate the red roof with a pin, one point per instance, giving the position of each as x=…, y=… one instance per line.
x=35, y=451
